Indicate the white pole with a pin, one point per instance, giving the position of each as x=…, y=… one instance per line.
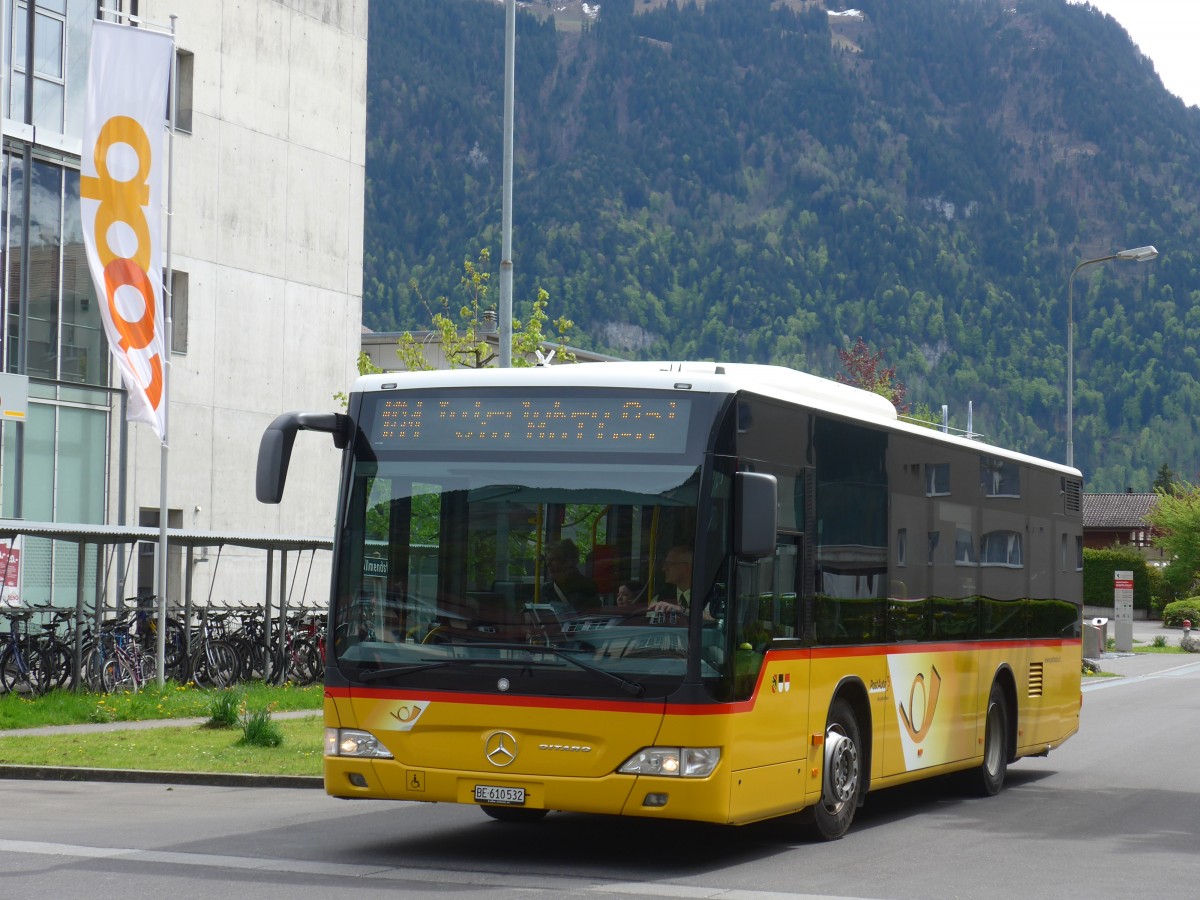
x=168, y=322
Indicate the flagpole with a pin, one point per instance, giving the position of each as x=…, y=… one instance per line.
x=168, y=295
x=128, y=91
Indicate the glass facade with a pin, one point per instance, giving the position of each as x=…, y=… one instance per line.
x=52, y=331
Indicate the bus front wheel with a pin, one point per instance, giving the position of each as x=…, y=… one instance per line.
x=834, y=812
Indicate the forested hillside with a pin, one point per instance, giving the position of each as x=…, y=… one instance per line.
x=750, y=182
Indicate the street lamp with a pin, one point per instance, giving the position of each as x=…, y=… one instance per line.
x=1137, y=254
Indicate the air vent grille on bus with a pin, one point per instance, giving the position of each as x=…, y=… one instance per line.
x=1072, y=495
x=1036, y=679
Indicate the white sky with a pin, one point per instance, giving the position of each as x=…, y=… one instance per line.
x=1167, y=31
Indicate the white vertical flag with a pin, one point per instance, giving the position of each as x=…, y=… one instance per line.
x=120, y=189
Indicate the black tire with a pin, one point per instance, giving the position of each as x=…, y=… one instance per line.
x=34, y=681
x=93, y=665
x=514, y=813
x=176, y=666
x=61, y=658
x=988, y=779
x=306, y=664
x=843, y=774
x=215, y=664
x=117, y=675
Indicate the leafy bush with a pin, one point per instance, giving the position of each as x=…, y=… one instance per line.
x=259, y=729
x=223, y=709
x=1160, y=591
x=1175, y=613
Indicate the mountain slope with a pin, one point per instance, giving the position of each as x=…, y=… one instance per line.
x=751, y=182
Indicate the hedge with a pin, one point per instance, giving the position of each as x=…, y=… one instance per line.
x=1098, y=569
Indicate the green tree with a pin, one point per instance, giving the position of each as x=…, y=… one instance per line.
x=1165, y=480
x=365, y=367
x=1175, y=519
x=461, y=337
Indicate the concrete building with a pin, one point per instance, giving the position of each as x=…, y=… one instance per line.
x=267, y=244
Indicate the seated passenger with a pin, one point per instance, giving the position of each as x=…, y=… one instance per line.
x=631, y=594
x=567, y=584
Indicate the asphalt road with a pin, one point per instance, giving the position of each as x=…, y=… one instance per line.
x=1111, y=814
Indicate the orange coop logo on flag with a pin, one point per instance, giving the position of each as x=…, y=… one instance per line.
x=121, y=200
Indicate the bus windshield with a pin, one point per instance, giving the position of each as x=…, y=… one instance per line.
x=552, y=562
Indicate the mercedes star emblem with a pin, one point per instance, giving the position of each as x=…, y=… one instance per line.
x=501, y=748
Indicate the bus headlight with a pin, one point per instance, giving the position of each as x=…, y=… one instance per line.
x=350, y=742
x=688, y=762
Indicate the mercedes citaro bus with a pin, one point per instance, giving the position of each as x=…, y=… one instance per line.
x=869, y=601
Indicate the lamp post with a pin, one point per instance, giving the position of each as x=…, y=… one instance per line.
x=1137, y=254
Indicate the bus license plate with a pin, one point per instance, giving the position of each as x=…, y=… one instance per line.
x=509, y=796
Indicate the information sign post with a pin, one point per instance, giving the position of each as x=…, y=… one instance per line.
x=1123, y=611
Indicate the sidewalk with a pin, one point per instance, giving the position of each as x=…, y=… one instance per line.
x=1132, y=665
x=141, y=725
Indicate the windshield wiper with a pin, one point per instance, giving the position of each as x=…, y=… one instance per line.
x=376, y=674
x=633, y=688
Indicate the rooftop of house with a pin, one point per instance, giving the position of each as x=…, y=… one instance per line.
x=1117, y=511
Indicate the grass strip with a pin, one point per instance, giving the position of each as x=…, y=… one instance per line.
x=171, y=701
x=175, y=749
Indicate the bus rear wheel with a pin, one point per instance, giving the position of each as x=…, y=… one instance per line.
x=989, y=777
x=514, y=813
x=832, y=815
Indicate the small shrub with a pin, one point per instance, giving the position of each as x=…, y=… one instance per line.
x=1160, y=640
x=1175, y=613
x=223, y=709
x=259, y=729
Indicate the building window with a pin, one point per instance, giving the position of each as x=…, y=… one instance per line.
x=964, y=547
x=937, y=479
x=49, y=70
x=902, y=547
x=184, y=64
x=64, y=336
x=999, y=477
x=1001, y=548
x=179, y=312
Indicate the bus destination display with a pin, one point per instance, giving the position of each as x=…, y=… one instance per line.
x=618, y=424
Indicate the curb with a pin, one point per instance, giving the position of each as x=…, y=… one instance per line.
x=147, y=776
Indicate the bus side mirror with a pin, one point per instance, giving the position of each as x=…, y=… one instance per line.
x=755, y=514
x=275, y=448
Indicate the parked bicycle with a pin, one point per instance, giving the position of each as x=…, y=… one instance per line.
x=117, y=661
x=24, y=667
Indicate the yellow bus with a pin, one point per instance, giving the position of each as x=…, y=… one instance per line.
x=852, y=601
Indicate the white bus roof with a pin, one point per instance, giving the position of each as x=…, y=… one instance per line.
x=779, y=382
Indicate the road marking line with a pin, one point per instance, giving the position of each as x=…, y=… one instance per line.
x=439, y=876
x=1186, y=669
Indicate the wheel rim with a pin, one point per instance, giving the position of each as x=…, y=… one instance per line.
x=841, y=769
x=991, y=753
